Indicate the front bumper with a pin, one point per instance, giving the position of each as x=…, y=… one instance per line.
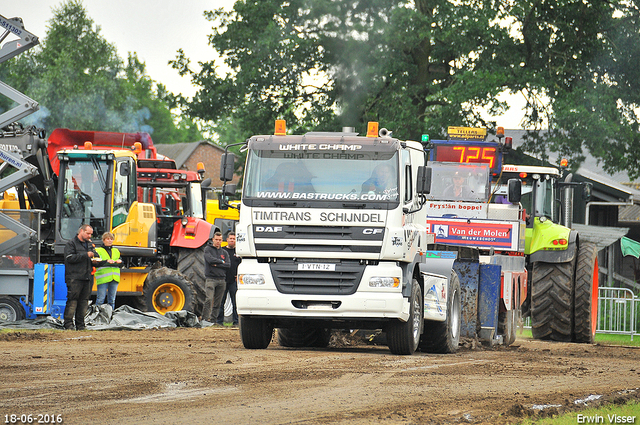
x=367, y=303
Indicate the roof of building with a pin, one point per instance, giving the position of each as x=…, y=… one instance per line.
x=607, y=186
x=180, y=152
x=590, y=163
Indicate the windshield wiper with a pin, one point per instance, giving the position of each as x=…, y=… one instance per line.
x=101, y=179
x=285, y=203
x=354, y=205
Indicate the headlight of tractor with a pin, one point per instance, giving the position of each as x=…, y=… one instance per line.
x=384, y=282
x=251, y=279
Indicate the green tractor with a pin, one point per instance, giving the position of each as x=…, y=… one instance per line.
x=562, y=298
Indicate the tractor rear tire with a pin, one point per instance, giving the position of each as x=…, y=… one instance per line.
x=444, y=337
x=168, y=292
x=191, y=265
x=304, y=337
x=403, y=337
x=586, y=294
x=255, y=333
x=11, y=310
x=552, y=294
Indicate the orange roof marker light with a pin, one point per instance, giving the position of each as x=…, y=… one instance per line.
x=564, y=163
x=137, y=147
x=372, y=129
x=88, y=146
x=200, y=167
x=500, y=132
x=281, y=128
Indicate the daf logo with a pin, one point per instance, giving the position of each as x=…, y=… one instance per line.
x=371, y=231
x=269, y=229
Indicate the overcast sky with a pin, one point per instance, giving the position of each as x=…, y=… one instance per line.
x=155, y=30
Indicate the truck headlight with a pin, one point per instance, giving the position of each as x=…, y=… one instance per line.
x=251, y=279
x=384, y=282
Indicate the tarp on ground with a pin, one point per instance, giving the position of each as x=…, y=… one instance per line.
x=123, y=318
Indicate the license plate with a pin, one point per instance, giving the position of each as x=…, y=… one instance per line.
x=317, y=266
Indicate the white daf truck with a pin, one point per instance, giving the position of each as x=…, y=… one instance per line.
x=332, y=235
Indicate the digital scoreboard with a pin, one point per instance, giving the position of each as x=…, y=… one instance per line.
x=467, y=146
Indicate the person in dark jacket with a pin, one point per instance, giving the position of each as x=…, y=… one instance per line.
x=232, y=280
x=216, y=264
x=78, y=255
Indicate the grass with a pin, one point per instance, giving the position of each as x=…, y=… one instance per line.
x=603, y=339
x=603, y=415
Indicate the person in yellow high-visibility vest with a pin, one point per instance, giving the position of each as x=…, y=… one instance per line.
x=107, y=271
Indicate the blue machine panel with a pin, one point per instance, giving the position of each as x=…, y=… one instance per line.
x=489, y=297
x=60, y=291
x=468, y=272
x=42, y=288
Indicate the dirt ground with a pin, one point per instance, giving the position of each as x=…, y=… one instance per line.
x=204, y=376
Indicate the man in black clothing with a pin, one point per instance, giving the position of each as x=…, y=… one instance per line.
x=216, y=264
x=78, y=254
x=232, y=280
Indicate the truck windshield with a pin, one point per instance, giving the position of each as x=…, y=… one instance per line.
x=322, y=176
x=83, y=197
x=544, y=194
x=459, y=182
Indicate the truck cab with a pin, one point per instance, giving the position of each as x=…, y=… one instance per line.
x=488, y=236
x=332, y=235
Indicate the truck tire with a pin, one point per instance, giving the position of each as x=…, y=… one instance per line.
x=304, y=337
x=403, y=337
x=11, y=310
x=444, y=337
x=552, y=301
x=586, y=294
x=255, y=333
x=168, y=292
x=507, y=326
x=191, y=265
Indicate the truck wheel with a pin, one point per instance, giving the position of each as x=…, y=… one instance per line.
x=552, y=301
x=11, y=310
x=191, y=265
x=304, y=337
x=255, y=333
x=444, y=337
x=586, y=294
x=403, y=337
x=168, y=292
x=507, y=326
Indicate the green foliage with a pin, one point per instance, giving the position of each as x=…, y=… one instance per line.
x=420, y=66
x=80, y=82
x=605, y=414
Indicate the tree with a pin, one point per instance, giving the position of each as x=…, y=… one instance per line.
x=155, y=107
x=80, y=82
x=420, y=66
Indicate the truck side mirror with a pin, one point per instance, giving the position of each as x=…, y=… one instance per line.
x=125, y=169
x=226, y=166
x=206, y=183
x=229, y=189
x=423, y=183
x=514, y=190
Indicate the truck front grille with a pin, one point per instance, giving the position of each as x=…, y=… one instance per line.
x=341, y=281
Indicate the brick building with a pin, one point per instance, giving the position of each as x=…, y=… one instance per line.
x=187, y=156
